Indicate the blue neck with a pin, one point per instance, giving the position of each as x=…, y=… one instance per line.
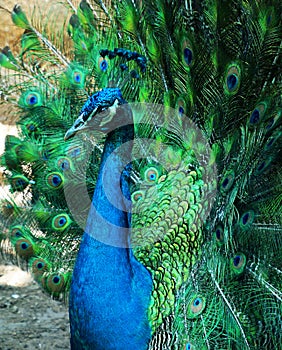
x=110, y=290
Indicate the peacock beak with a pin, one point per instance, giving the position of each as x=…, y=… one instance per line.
x=78, y=125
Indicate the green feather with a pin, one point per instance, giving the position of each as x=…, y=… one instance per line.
x=19, y=18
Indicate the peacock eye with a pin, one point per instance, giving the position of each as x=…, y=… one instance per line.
x=55, y=283
x=30, y=99
x=181, y=106
x=273, y=121
x=16, y=232
x=38, y=267
x=56, y=279
x=77, y=77
x=61, y=222
x=270, y=124
x=257, y=114
x=196, y=306
x=232, y=78
x=63, y=164
x=19, y=182
x=247, y=219
x=232, y=82
x=24, y=248
x=188, y=346
x=24, y=245
x=186, y=52
x=188, y=56
x=55, y=180
x=263, y=165
x=31, y=127
x=151, y=175
x=227, y=181
x=272, y=141
x=103, y=64
x=219, y=234
x=254, y=117
x=238, y=263
x=137, y=196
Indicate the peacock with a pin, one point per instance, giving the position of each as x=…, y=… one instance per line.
x=144, y=186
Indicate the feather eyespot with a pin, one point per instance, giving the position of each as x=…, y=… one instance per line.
x=247, y=219
x=30, y=99
x=7, y=208
x=272, y=141
x=188, y=55
x=238, y=263
x=38, y=267
x=227, y=181
x=151, y=175
x=64, y=163
x=55, y=180
x=19, y=182
x=188, y=346
x=56, y=279
x=61, y=222
x=137, y=196
x=232, y=79
x=55, y=283
x=263, y=165
x=196, y=306
x=31, y=127
x=103, y=64
x=270, y=124
x=272, y=121
x=219, y=234
x=257, y=114
x=181, y=106
x=16, y=232
x=24, y=248
x=77, y=77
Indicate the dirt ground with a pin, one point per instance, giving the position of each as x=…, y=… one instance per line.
x=29, y=319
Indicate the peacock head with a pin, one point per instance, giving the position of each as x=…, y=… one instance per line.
x=97, y=112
